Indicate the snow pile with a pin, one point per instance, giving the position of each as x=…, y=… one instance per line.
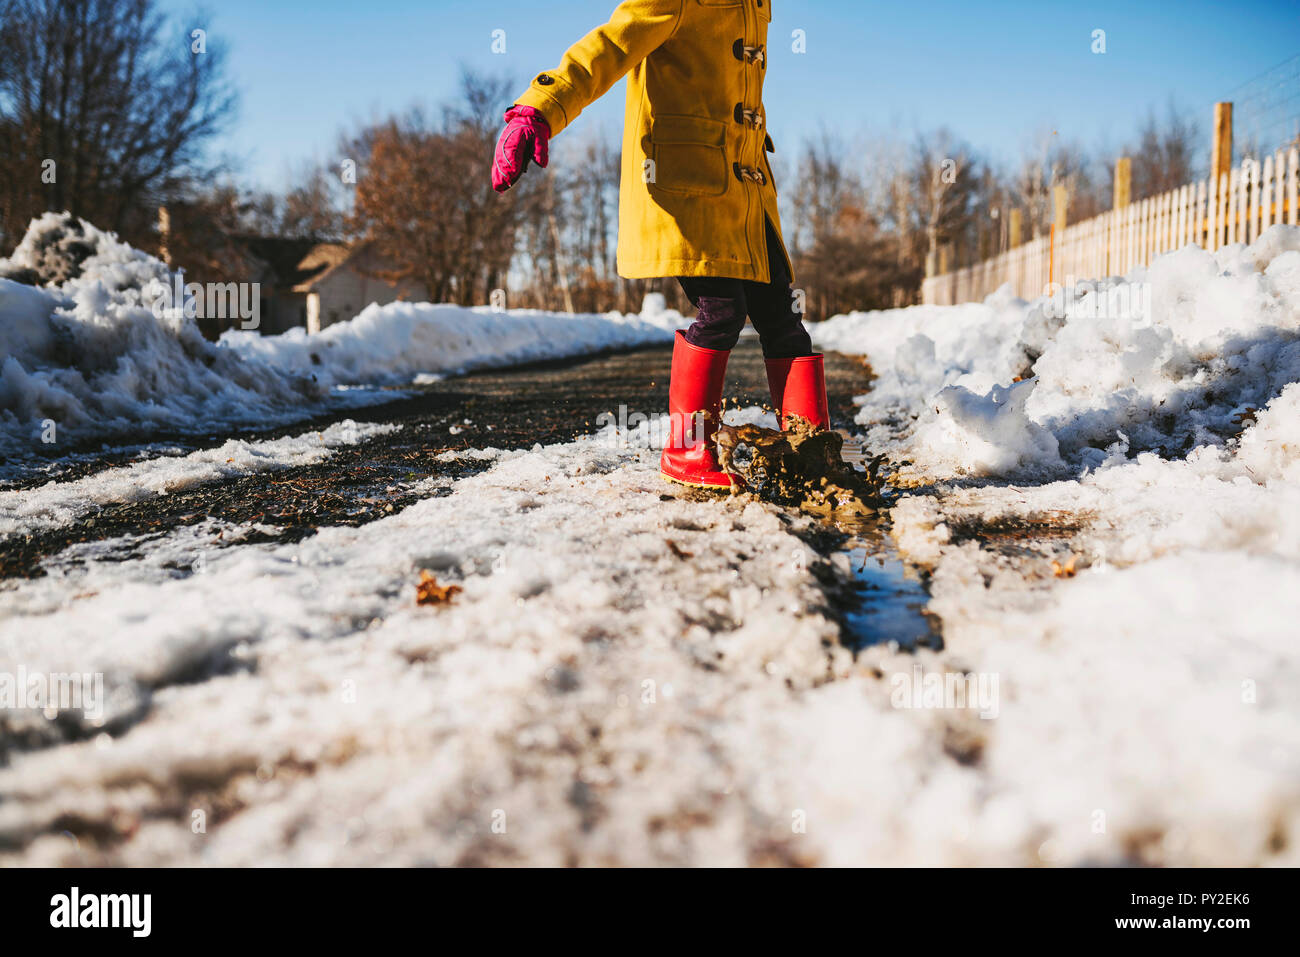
x=57, y=249
x=1136, y=590
x=1165, y=360
x=918, y=350
x=989, y=434
x=84, y=356
x=404, y=341
x=87, y=357
x=1164, y=674
x=1270, y=450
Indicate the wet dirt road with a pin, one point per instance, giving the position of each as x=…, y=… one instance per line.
x=517, y=408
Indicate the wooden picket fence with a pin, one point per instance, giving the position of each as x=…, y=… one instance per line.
x=1236, y=209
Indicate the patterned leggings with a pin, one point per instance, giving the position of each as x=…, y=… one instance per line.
x=723, y=305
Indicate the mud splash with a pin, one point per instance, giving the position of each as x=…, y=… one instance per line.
x=812, y=470
x=802, y=467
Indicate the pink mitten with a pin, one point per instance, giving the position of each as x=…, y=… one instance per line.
x=527, y=136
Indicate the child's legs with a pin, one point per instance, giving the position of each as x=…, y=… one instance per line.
x=771, y=309
x=721, y=317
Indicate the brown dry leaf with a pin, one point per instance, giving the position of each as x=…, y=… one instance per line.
x=1067, y=570
x=429, y=592
x=678, y=550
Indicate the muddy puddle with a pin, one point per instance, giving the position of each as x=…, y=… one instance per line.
x=826, y=473
x=889, y=596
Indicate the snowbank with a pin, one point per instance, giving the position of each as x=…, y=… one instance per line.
x=1136, y=589
x=84, y=356
x=1164, y=360
x=401, y=342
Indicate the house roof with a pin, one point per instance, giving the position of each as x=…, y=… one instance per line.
x=295, y=263
x=299, y=265
x=281, y=256
x=323, y=256
x=325, y=259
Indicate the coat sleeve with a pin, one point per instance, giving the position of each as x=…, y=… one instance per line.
x=601, y=59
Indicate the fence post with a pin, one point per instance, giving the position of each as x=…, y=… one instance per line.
x=1121, y=196
x=164, y=234
x=1221, y=151
x=1060, y=203
x=1221, y=169
x=1293, y=187
x=1013, y=230
x=1123, y=182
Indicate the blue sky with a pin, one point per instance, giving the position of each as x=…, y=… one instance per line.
x=994, y=72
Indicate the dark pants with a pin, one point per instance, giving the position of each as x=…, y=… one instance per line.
x=724, y=303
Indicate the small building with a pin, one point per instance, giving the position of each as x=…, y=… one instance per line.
x=313, y=285
x=341, y=281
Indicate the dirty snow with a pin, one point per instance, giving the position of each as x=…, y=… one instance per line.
x=568, y=683
x=622, y=680
x=1117, y=536
x=59, y=503
x=1165, y=360
x=627, y=678
x=84, y=355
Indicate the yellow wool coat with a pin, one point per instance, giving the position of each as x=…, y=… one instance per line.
x=696, y=181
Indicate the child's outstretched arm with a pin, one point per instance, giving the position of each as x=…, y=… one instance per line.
x=587, y=71
x=601, y=59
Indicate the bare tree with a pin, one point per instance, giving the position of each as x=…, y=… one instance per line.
x=314, y=209
x=946, y=178
x=1164, y=157
x=424, y=195
x=104, y=111
x=843, y=259
x=1051, y=162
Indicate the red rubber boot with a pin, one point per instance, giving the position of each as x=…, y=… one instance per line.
x=798, y=387
x=695, y=387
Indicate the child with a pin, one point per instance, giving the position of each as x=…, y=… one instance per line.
x=696, y=199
